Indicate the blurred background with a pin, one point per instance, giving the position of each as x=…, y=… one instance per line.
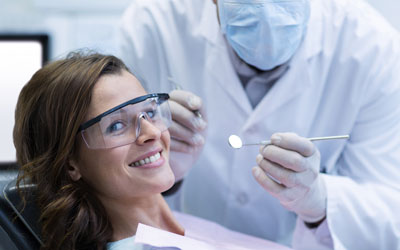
x=52, y=28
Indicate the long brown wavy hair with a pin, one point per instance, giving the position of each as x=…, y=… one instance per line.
x=50, y=109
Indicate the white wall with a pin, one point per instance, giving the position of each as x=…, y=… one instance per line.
x=74, y=24
x=71, y=24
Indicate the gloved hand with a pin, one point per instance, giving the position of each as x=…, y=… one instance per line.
x=293, y=161
x=187, y=131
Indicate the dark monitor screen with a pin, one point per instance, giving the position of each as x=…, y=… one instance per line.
x=21, y=55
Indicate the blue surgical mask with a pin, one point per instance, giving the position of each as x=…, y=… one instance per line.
x=264, y=33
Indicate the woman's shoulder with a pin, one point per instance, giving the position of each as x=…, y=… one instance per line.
x=127, y=243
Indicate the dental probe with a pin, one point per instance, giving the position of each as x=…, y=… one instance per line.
x=236, y=142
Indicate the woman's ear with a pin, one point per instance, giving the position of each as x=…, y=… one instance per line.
x=73, y=170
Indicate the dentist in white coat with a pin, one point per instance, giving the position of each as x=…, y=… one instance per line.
x=259, y=69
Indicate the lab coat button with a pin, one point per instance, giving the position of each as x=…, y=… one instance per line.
x=251, y=130
x=242, y=198
x=327, y=240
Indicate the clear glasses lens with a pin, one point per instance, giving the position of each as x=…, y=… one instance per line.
x=123, y=125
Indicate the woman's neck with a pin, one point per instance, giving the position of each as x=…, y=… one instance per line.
x=151, y=210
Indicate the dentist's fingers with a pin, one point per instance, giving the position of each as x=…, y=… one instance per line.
x=187, y=99
x=184, y=135
x=180, y=146
x=285, y=176
x=286, y=158
x=293, y=142
x=190, y=101
x=185, y=117
x=266, y=182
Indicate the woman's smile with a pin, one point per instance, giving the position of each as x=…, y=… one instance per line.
x=152, y=159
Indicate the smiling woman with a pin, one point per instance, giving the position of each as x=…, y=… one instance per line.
x=97, y=147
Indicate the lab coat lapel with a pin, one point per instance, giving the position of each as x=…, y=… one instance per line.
x=222, y=73
x=218, y=63
x=291, y=85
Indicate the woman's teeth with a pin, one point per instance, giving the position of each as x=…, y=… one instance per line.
x=146, y=160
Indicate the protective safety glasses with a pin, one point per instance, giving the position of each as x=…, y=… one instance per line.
x=121, y=125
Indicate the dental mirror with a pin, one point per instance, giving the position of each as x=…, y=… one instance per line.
x=235, y=141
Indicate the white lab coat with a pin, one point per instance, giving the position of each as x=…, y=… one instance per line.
x=344, y=79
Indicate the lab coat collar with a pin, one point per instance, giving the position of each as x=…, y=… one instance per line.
x=314, y=35
x=209, y=25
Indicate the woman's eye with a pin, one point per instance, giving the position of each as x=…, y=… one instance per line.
x=151, y=113
x=115, y=127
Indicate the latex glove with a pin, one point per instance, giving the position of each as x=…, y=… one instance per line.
x=293, y=161
x=187, y=131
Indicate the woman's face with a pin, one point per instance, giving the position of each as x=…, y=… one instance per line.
x=111, y=172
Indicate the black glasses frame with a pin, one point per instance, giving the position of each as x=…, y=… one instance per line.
x=161, y=96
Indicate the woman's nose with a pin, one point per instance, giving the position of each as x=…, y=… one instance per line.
x=148, y=131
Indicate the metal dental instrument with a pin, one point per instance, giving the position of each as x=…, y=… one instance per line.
x=236, y=142
x=177, y=86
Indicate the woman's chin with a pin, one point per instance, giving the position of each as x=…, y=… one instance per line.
x=167, y=183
